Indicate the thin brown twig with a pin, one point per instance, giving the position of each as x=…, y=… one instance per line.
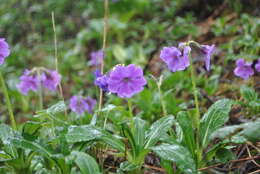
x=257, y=171
x=232, y=161
x=249, y=153
x=201, y=169
x=154, y=168
x=255, y=147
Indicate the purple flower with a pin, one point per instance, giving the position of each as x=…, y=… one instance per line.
x=126, y=81
x=97, y=73
x=101, y=80
x=79, y=104
x=175, y=59
x=207, y=51
x=28, y=82
x=185, y=54
x=51, y=79
x=257, y=66
x=91, y=104
x=4, y=50
x=243, y=69
x=96, y=58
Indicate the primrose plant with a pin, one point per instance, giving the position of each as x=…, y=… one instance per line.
x=56, y=144
x=186, y=145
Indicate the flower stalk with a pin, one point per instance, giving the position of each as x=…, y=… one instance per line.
x=130, y=110
x=56, y=60
x=197, y=115
x=105, y=29
x=8, y=102
x=159, y=84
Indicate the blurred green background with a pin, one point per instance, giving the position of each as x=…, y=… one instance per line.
x=138, y=29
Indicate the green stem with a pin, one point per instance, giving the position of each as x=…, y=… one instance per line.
x=130, y=110
x=9, y=106
x=195, y=94
x=162, y=100
x=105, y=122
x=197, y=116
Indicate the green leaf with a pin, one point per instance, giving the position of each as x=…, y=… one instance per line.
x=29, y=145
x=52, y=111
x=177, y=154
x=238, y=133
x=140, y=126
x=157, y=130
x=6, y=136
x=120, y=53
x=226, y=132
x=6, y=133
x=251, y=131
x=31, y=130
x=167, y=165
x=108, y=108
x=4, y=156
x=93, y=121
x=127, y=166
x=113, y=141
x=248, y=93
x=57, y=108
x=216, y=116
x=62, y=163
x=82, y=133
x=188, y=132
x=86, y=163
x=224, y=155
x=130, y=138
x=31, y=127
x=212, y=151
x=90, y=132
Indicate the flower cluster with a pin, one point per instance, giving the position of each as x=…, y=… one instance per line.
x=177, y=58
x=4, y=50
x=125, y=81
x=101, y=80
x=207, y=51
x=244, y=69
x=96, y=58
x=79, y=105
x=31, y=80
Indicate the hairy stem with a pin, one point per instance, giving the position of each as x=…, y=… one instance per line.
x=8, y=102
x=197, y=116
x=55, y=41
x=105, y=29
x=161, y=97
x=56, y=59
x=130, y=111
x=195, y=94
x=130, y=108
